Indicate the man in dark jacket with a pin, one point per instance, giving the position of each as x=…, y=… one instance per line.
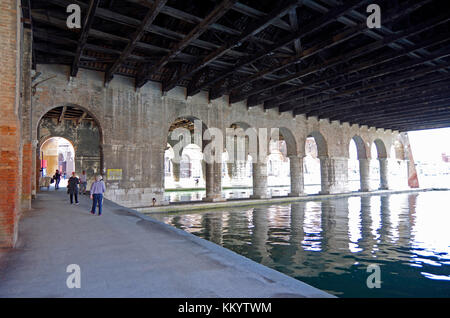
x=57, y=178
x=72, y=188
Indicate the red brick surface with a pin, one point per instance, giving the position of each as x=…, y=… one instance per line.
x=10, y=150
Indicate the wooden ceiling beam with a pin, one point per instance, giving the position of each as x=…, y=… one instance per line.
x=375, y=94
x=198, y=30
x=373, y=107
x=249, y=32
x=61, y=116
x=137, y=35
x=93, y=4
x=361, y=51
x=306, y=30
x=315, y=48
x=325, y=101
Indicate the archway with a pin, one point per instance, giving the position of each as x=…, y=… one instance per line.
x=187, y=165
x=82, y=130
x=285, y=167
x=354, y=175
x=379, y=167
x=316, y=164
x=240, y=148
x=398, y=166
x=56, y=153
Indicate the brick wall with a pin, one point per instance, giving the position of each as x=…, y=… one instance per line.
x=10, y=148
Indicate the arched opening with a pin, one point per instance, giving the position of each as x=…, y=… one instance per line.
x=278, y=168
x=353, y=167
x=239, y=160
x=315, y=164
x=378, y=166
x=284, y=166
x=56, y=154
x=358, y=165
x=188, y=177
x=398, y=168
x=78, y=134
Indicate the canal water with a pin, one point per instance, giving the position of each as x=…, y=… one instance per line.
x=331, y=244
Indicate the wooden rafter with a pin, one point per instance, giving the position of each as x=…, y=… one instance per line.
x=93, y=4
x=316, y=59
x=215, y=15
x=148, y=20
x=250, y=31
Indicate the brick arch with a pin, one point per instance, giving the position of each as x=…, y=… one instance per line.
x=91, y=160
x=398, y=149
x=37, y=118
x=381, y=148
x=291, y=143
x=321, y=143
x=190, y=118
x=360, y=146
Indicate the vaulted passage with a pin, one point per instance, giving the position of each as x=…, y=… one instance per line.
x=81, y=134
x=293, y=116
x=147, y=92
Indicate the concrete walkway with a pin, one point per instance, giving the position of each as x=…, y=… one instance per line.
x=126, y=254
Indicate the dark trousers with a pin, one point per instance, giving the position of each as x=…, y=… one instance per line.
x=57, y=183
x=97, y=200
x=72, y=194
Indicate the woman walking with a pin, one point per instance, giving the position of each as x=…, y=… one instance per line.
x=97, y=190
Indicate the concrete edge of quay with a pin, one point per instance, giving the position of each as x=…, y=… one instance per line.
x=236, y=203
x=233, y=259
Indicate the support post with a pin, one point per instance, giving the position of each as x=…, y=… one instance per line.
x=213, y=178
x=384, y=173
x=260, y=181
x=364, y=168
x=297, y=182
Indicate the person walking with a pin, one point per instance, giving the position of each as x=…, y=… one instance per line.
x=97, y=190
x=83, y=182
x=72, y=188
x=57, y=178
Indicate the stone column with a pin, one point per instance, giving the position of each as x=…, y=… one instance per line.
x=334, y=174
x=324, y=167
x=297, y=183
x=176, y=171
x=213, y=178
x=364, y=175
x=384, y=173
x=260, y=181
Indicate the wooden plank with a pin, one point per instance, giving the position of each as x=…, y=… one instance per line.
x=249, y=32
x=137, y=35
x=198, y=30
x=61, y=117
x=93, y=4
x=312, y=27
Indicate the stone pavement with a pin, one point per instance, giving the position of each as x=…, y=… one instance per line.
x=126, y=254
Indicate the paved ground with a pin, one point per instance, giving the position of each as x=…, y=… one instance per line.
x=126, y=254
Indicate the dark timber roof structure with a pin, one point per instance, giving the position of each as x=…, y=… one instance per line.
x=312, y=57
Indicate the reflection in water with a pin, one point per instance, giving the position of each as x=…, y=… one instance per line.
x=330, y=243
